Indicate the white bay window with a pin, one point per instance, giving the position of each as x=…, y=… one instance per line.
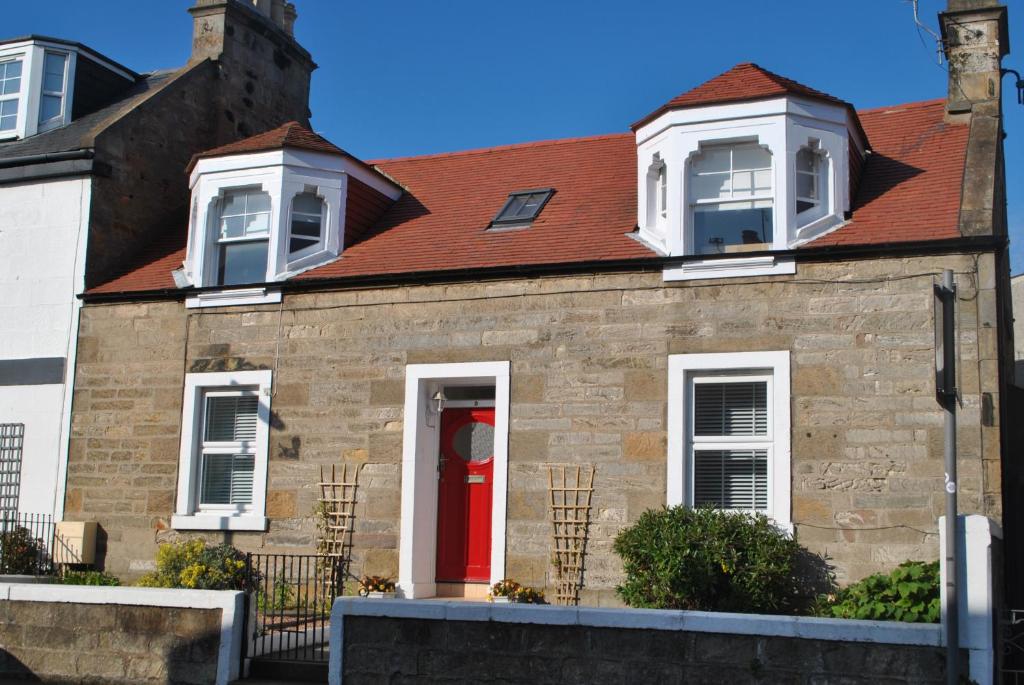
x=223, y=457
x=729, y=432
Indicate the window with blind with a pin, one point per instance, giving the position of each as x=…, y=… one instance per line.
x=730, y=443
x=225, y=438
x=729, y=432
x=228, y=450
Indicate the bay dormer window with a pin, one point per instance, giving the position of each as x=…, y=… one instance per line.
x=738, y=172
x=732, y=199
x=269, y=207
x=10, y=93
x=243, y=237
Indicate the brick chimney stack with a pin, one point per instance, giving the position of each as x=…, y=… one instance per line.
x=265, y=73
x=975, y=40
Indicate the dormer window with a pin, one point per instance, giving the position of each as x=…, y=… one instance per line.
x=269, y=207
x=243, y=238
x=306, y=225
x=38, y=80
x=51, y=103
x=757, y=163
x=521, y=208
x=732, y=199
x=10, y=90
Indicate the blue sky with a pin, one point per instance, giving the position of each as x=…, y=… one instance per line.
x=411, y=76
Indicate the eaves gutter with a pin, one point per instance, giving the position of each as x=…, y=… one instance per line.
x=50, y=165
x=815, y=254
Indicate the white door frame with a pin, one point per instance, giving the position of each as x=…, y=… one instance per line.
x=417, y=552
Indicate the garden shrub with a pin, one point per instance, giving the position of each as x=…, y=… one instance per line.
x=711, y=560
x=88, y=578
x=20, y=553
x=195, y=566
x=910, y=593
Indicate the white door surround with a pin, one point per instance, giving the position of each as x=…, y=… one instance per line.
x=417, y=552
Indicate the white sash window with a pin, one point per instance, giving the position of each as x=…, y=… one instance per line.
x=222, y=468
x=729, y=432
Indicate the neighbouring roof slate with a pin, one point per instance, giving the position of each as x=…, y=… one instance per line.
x=909, y=191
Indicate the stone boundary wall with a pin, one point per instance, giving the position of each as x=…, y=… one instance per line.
x=410, y=641
x=76, y=634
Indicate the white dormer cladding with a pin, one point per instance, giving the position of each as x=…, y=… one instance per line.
x=37, y=78
x=256, y=200
x=769, y=135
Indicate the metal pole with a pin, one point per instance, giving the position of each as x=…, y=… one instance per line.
x=949, y=401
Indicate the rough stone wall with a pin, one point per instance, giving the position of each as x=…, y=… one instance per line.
x=379, y=649
x=588, y=384
x=86, y=644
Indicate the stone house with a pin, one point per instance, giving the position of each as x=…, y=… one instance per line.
x=729, y=304
x=80, y=165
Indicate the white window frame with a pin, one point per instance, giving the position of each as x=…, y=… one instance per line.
x=313, y=248
x=822, y=203
x=188, y=515
x=683, y=370
x=17, y=97
x=61, y=117
x=218, y=241
x=720, y=202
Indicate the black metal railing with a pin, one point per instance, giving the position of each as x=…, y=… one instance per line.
x=26, y=544
x=290, y=605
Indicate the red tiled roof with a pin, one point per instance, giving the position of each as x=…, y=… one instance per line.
x=743, y=82
x=293, y=134
x=909, y=191
x=911, y=183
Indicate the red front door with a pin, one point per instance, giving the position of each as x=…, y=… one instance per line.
x=464, y=495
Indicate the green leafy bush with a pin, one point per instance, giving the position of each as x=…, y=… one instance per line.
x=711, y=560
x=910, y=593
x=194, y=565
x=88, y=578
x=20, y=553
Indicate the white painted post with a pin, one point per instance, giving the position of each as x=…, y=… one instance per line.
x=975, y=592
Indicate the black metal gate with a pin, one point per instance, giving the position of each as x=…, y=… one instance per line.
x=1013, y=647
x=290, y=606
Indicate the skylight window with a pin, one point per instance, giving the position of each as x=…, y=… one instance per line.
x=522, y=207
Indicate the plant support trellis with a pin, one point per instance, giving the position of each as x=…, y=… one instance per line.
x=337, y=514
x=570, y=489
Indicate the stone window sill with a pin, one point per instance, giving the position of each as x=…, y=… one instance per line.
x=730, y=268
x=206, y=521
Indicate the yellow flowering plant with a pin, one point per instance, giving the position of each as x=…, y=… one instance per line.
x=194, y=565
x=521, y=594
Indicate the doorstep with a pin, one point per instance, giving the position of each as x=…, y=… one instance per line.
x=472, y=592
